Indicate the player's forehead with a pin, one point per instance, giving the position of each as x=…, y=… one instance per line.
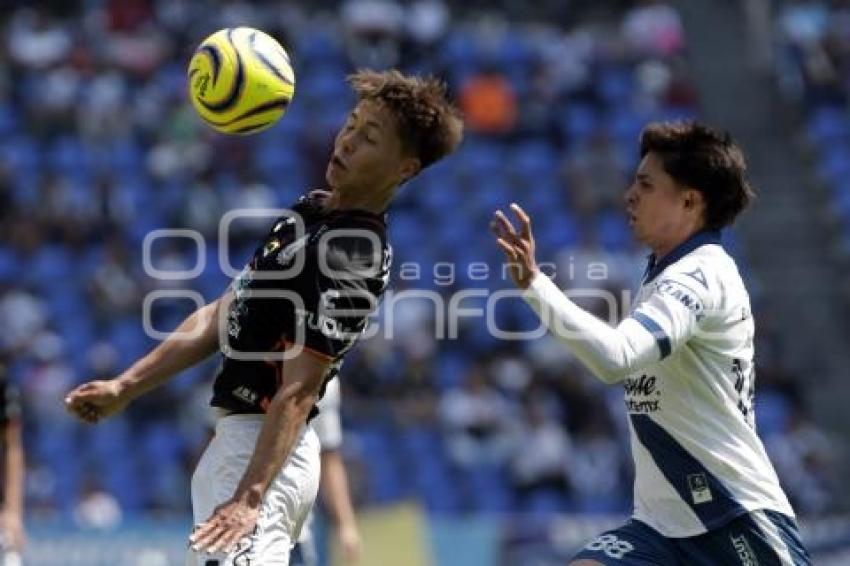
x=374, y=114
x=650, y=167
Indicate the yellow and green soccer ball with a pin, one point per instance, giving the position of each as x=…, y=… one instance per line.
x=241, y=80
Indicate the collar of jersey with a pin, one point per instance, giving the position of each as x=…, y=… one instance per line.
x=701, y=238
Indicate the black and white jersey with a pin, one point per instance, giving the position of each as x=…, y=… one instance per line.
x=312, y=284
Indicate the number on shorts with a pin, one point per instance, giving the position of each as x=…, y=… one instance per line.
x=612, y=546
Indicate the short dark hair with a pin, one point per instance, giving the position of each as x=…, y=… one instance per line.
x=703, y=159
x=429, y=124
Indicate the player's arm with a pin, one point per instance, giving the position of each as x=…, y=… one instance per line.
x=285, y=417
x=610, y=353
x=13, y=484
x=193, y=341
x=337, y=499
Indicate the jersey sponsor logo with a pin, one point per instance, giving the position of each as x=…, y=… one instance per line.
x=611, y=545
x=642, y=386
x=744, y=550
x=699, y=276
x=700, y=492
x=326, y=325
x=682, y=294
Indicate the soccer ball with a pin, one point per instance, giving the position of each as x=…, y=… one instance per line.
x=240, y=80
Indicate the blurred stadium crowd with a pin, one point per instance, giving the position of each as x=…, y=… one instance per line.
x=814, y=62
x=98, y=147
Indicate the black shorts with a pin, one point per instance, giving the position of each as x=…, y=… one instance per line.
x=762, y=538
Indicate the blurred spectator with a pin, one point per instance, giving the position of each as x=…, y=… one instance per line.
x=373, y=31
x=36, y=41
x=97, y=509
x=596, y=466
x=427, y=22
x=114, y=289
x=597, y=172
x=477, y=422
x=489, y=103
x=23, y=316
x=804, y=457
x=653, y=28
x=46, y=382
x=542, y=455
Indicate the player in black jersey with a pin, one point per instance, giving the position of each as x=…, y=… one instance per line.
x=287, y=321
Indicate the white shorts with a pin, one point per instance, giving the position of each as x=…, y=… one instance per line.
x=285, y=506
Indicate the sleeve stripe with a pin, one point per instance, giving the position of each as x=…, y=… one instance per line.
x=657, y=332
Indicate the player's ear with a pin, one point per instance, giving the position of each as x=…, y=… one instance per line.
x=408, y=168
x=692, y=198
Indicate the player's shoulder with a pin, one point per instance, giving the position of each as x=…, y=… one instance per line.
x=699, y=279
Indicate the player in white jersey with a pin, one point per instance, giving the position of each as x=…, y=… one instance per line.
x=333, y=485
x=705, y=492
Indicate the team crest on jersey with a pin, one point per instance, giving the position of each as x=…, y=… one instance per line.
x=699, y=276
x=271, y=246
x=245, y=394
x=700, y=492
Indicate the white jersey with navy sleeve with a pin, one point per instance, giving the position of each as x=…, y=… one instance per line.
x=685, y=358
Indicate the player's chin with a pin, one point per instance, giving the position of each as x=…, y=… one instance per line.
x=333, y=176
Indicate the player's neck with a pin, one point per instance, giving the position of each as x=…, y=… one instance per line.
x=661, y=249
x=375, y=202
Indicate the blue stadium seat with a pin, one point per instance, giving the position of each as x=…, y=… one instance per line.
x=9, y=266
x=21, y=153
x=316, y=47
x=579, y=121
x=8, y=119
x=50, y=264
x=488, y=490
x=613, y=230
x=625, y=125
x=451, y=368
x=616, y=85
x=534, y=160
x=774, y=412
x=829, y=124
x=545, y=502
x=69, y=155
x=834, y=164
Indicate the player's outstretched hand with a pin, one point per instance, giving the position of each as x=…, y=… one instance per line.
x=230, y=522
x=96, y=400
x=517, y=246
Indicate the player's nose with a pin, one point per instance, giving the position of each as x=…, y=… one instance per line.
x=630, y=196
